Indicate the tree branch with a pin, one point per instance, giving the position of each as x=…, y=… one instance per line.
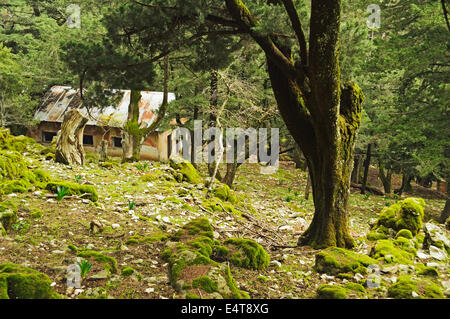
x=246, y=21
x=298, y=29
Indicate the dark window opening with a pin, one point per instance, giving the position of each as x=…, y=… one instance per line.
x=48, y=136
x=117, y=141
x=88, y=140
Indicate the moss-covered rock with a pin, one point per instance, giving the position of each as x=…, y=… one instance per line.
x=247, y=253
x=428, y=271
x=334, y=261
x=435, y=236
x=21, y=144
x=8, y=214
x=191, y=268
x=405, y=233
x=16, y=177
x=408, y=287
x=189, y=172
x=374, y=236
x=127, y=271
x=224, y=192
x=351, y=290
x=407, y=214
x=197, y=227
x=18, y=282
x=215, y=204
x=73, y=189
x=400, y=251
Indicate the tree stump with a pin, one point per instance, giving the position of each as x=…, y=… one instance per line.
x=69, y=142
x=104, y=150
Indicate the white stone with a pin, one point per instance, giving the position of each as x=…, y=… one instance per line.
x=358, y=276
x=437, y=253
x=114, y=226
x=149, y=290
x=422, y=255
x=415, y=294
x=276, y=263
x=166, y=219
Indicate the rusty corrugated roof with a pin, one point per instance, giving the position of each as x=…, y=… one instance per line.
x=59, y=99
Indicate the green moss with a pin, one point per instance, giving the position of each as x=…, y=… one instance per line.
x=192, y=296
x=110, y=263
x=263, y=279
x=18, y=282
x=15, y=176
x=248, y=253
x=74, y=189
x=200, y=227
x=205, y=283
x=390, y=251
x=221, y=251
x=409, y=245
x=429, y=271
x=91, y=157
x=236, y=293
x=406, y=285
x=204, y=245
x=224, y=192
x=132, y=241
x=356, y=287
x=374, y=236
x=340, y=292
x=127, y=271
x=189, y=172
x=109, y=164
x=192, y=253
x=21, y=144
x=156, y=175
x=407, y=214
x=331, y=292
x=8, y=214
x=36, y=213
x=173, y=199
x=334, y=260
x=405, y=233
x=72, y=248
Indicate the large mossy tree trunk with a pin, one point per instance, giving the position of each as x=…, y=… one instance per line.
x=69, y=141
x=322, y=114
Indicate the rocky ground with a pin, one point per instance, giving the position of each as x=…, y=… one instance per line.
x=141, y=205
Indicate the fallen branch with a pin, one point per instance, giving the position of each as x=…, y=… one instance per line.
x=372, y=190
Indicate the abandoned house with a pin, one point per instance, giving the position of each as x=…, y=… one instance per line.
x=106, y=123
